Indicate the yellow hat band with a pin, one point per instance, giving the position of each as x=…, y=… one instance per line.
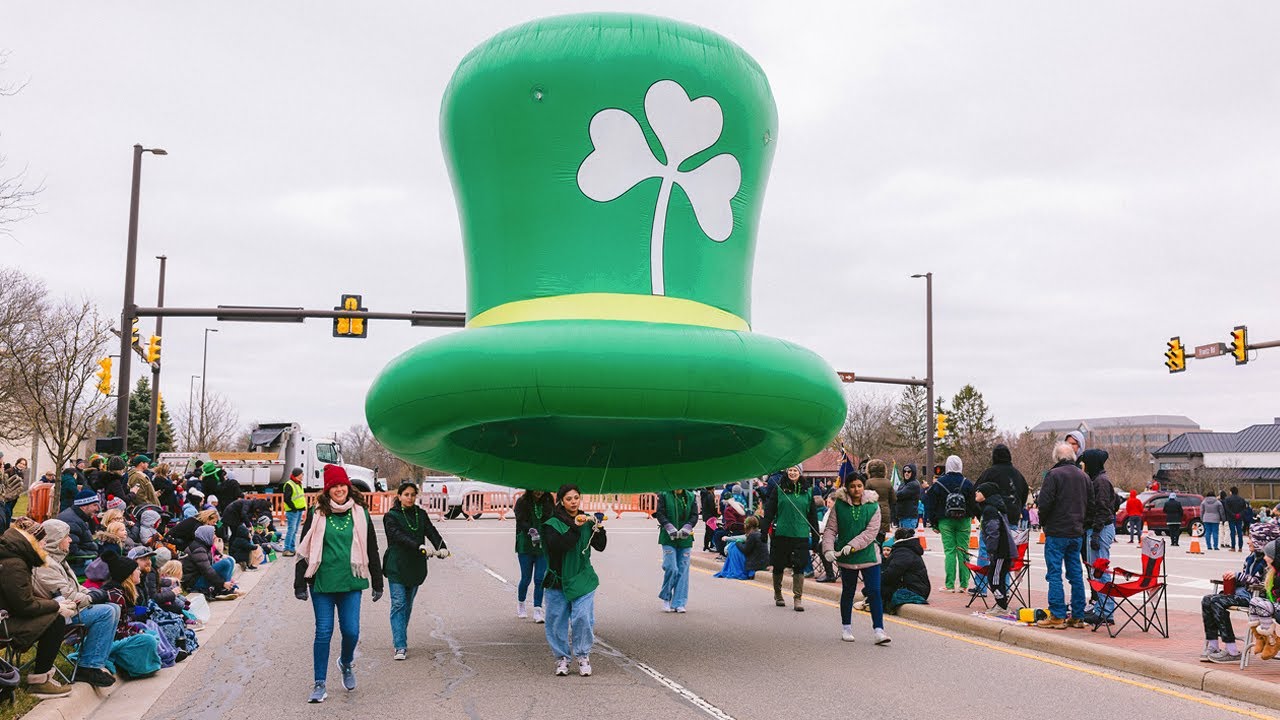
x=611, y=306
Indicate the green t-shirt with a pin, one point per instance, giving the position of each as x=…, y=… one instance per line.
x=334, y=575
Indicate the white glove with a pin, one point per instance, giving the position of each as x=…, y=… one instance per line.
x=847, y=550
x=830, y=555
x=67, y=608
x=671, y=530
x=684, y=533
x=442, y=553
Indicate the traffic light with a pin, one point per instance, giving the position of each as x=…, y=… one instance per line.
x=942, y=425
x=1175, y=358
x=153, y=349
x=1240, y=344
x=134, y=340
x=104, y=376
x=349, y=327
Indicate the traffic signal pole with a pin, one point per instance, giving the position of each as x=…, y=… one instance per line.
x=153, y=427
x=928, y=330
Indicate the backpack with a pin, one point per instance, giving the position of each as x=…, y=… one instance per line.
x=956, y=505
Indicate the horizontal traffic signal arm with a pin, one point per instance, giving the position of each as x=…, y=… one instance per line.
x=429, y=318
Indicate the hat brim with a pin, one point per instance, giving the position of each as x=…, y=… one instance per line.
x=613, y=406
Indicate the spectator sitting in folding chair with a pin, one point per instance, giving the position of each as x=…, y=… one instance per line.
x=998, y=539
x=1215, y=608
x=1264, y=609
x=31, y=619
x=56, y=578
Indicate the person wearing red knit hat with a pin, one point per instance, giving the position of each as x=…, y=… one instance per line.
x=337, y=560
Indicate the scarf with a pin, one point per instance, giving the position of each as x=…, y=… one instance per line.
x=311, y=547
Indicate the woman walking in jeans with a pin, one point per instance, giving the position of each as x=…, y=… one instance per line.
x=571, y=581
x=338, y=559
x=411, y=539
x=849, y=540
x=533, y=510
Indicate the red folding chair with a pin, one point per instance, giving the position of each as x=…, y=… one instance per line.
x=1018, y=569
x=1142, y=599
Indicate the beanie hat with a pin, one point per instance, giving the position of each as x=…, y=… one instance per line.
x=138, y=460
x=263, y=521
x=1270, y=550
x=97, y=570
x=115, y=464
x=30, y=527
x=86, y=497
x=54, y=531
x=163, y=555
x=988, y=490
x=954, y=464
x=115, y=503
x=209, y=468
x=297, y=472
x=335, y=475
x=120, y=568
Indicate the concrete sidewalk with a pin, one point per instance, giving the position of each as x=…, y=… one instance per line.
x=130, y=698
x=1174, y=660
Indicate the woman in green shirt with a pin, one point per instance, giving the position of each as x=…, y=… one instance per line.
x=338, y=559
x=571, y=582
x=791, y=512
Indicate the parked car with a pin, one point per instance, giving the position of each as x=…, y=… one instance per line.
x=1153, y=512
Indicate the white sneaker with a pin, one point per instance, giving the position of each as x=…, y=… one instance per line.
x=584, y=666
x=520, y=612
x=847, y=633
x=881, y=637
x=562, y=666
x=538, y=616
x=680, y=610
x=401, y=654
x=666, y=606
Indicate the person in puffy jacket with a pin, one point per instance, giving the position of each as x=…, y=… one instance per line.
x=904, y=579
x=82, y=520
x=1211, y=514
x=201, y=572
x=906, y=508
x=849, y=541
x=879, y=483
x=1063, y=497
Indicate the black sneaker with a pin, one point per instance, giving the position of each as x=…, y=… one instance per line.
x=97, y=677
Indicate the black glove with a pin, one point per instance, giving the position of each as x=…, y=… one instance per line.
x=300, y=593
x=377, y=595
x=1095, y=543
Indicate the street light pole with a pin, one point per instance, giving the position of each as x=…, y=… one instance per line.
x=191, y=403
x=928, y=376
x=129, y=307
x=204, y=372
x=153, y=426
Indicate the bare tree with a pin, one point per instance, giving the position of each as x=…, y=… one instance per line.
x=17, y=196
x=868, y=429
x=215, y=427
x=360, y=447
x=23, y=299
x=54, y=359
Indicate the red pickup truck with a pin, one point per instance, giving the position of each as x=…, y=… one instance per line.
x=1153, y=516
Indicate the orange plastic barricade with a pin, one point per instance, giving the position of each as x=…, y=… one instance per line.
x=39, y=497
x=646, y=503
x=498, y=503
x=434, y=504
x=472, y=504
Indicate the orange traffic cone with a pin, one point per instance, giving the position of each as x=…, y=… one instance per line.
x=924, y=544
x=1041, y=537
x=973, y=542
x=1195, y=548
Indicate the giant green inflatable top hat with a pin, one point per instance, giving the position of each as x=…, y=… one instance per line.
x=609, y=173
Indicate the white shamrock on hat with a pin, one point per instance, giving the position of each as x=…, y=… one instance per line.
x=621, y=159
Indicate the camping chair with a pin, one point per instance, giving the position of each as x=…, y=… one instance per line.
x=1143, y=598
x=1018, y=570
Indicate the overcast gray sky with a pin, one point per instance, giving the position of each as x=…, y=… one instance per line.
x=1084, y=180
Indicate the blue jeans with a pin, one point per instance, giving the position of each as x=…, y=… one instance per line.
x=564, y=618
x=401, y=608
x=225, y=568
x=1134, y=523
x=1061, y=554
x=909, y=523
x=532, y=567
x=1211, y=535
x=675, y=576
x=292, y=518
x=849, y=587
x=348, y=606
x=1106, y=537
x=1236, y=527
x=100, y=621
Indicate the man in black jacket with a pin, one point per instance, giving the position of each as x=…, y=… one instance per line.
x=1173, y=518
x=1099, y=521
x=1063, y=499
x=1235, y=508
x=907, y=504
x=1012, y=486
x=82, y=520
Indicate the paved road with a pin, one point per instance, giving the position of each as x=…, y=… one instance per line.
x=733, y=655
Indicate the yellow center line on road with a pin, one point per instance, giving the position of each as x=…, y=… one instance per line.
x=1048, y=661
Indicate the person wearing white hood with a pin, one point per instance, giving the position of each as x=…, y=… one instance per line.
x=947, y=505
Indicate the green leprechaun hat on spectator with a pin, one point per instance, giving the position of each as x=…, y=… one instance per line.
x=609, y=173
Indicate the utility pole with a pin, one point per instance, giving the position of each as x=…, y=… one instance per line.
x=928, y=372
x=153, y=427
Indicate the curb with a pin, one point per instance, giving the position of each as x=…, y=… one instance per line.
x=85, y=700
x=1195, y=677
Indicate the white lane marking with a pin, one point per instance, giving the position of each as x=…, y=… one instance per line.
x=663, y=680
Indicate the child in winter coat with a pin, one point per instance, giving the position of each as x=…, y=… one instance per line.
x=905, y=579
x=998, y=539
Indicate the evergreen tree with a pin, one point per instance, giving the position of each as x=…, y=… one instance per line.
x=140, y=418
x=911, y=425
x=972, y=429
